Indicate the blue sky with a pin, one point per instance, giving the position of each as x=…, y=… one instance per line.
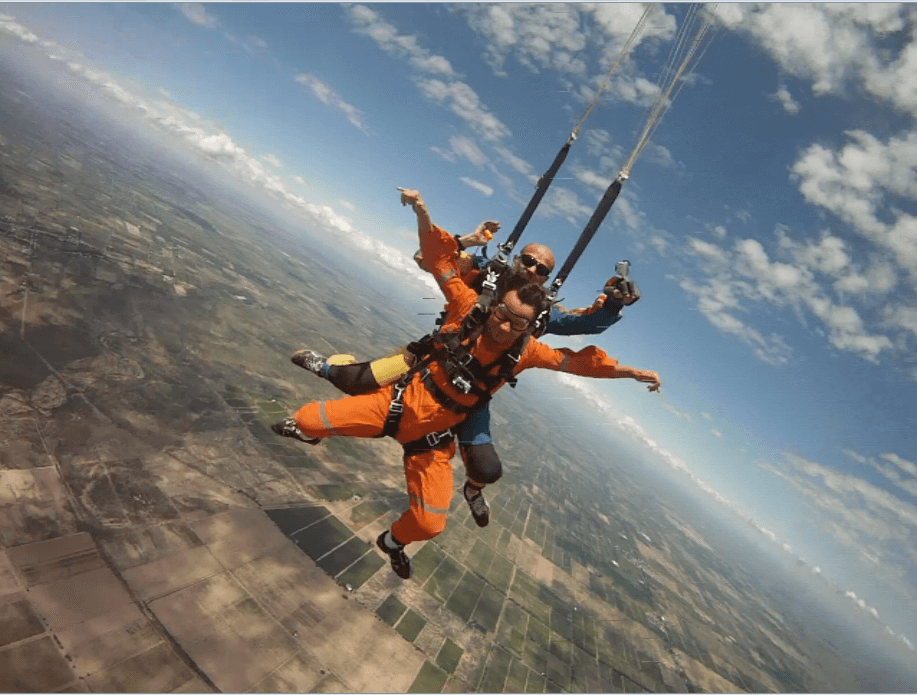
x=771, y=222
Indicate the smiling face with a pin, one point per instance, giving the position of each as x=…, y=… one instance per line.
x=509, y=319
x=543, y=259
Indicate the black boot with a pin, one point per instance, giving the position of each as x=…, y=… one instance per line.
x=401, y=563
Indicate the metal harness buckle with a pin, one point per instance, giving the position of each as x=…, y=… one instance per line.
x=397, y=405
x=461, y=383
x=435, y=438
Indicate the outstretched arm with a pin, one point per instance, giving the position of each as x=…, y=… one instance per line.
x=645, y=375
x=412, y=198
x=438, y=251
x=590, y=361
x=590, y=321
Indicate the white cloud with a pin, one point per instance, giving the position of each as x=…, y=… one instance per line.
x=747, y=273
x=272, y=160
x=832, y=45
x=330, y=98
x=301, y=181
x=672, y=409
x=347, y=204
x=790, y=105
x=857, y=513
x=445, y=155
x=219, y=145
x=904, y=317
x=707, y=251
x=197, y=13
x=8, y=25
x=466, y=147
x=255, y=44
x=556, y=37
x=539, y=36
x=907, y=467
x=464, y=103
x=562, y=202
x=516, y=163
x=717, y=433
x=657, y=154
x=767, y=532
x=477, y=185
x=592, y=178
x=854, y=183
x=597, y=141
x=370, y=23
x=659, y=243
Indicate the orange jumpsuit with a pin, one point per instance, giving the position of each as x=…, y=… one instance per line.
x=429, y=473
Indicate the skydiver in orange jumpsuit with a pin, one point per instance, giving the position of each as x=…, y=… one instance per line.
x=427, y=410
x=482, y=463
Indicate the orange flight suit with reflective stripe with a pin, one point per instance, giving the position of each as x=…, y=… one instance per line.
x=429, y=473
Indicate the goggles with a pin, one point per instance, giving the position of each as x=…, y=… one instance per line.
x=504, y=314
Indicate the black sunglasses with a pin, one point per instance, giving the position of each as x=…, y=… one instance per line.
x=528, y=261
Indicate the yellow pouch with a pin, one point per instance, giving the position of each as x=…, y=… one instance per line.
x=387, y=370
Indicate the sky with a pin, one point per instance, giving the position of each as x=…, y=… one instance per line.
x=771, y=221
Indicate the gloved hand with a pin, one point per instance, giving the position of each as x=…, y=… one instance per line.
x=620, y=293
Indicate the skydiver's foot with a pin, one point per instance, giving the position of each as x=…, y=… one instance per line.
x=480, y=510
x=401, y=563
x=287, y=428
x=308, y=359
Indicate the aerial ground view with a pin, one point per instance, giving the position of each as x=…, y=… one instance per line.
x=156, y=535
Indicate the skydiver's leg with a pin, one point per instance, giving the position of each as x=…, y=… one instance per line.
x=482, y=465
x=429, y=480
x=354, y=378
x=359, y=416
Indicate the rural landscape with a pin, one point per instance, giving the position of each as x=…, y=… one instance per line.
x=155, y=535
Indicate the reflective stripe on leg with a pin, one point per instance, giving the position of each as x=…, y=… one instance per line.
x=429, y=481
x=357, y=416
x=323, y=414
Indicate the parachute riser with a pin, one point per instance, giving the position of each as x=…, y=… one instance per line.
x=611, y=195
x=541, y=188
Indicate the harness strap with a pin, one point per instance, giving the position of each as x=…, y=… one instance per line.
x=429, y=442
x=445, y=400
x=396, y=406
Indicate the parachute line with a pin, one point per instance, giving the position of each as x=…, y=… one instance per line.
x=669, y=79
x=622, y=54
x=544, y=182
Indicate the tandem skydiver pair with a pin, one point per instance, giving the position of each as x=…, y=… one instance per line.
x=445, y=381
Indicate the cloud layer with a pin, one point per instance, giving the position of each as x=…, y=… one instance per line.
x=325, y=94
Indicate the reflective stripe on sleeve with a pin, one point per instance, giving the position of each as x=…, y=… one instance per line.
x=445, y=276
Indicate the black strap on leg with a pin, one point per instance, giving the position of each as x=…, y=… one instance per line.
x=429, y=442
x=396, y=406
